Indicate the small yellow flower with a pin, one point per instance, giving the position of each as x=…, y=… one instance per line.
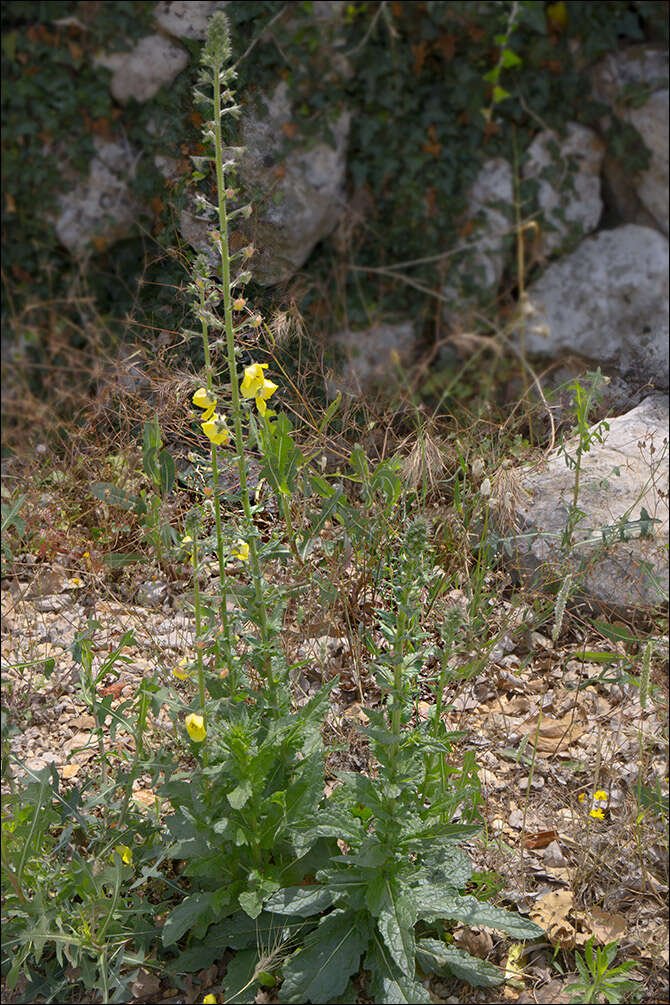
x=124, y=852
x=181, y=671
x=581, y=797
x=241, y=550
x=253, y=380
x=76, y=581
x=209, y=1000
x=186, y=540
x=87, y=554
x=215, y=429
x=601, y=795
x=205, y=399
x=195, y=727
x=597, y=814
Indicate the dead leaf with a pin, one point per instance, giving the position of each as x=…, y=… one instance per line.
x=145, y=986
x=603, y=926
x=554, y=734
x=69, y=770
x=540, y=840
x=145, y=797
x=551, y=913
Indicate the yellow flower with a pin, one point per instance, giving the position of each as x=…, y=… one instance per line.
x=241, y=550
x=180, y=671
x=597, y=814
x=205, y=399
x=267, y=390
x=215, y=429
x=187, y=540
x=253, y=380
x=195, y=727
x=600, y=794
x=125, y=853
x=209, y=1000
x=581, y=797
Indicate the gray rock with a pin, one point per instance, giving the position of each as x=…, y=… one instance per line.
x=566, y=197
x=616, y=568
x=642, y=198
x=151, y=593
x=140, y=72
x=102, y=205
x=304, y=191
x=484, y=260
x=370, y=356
x=608, y=302
x=189, y=19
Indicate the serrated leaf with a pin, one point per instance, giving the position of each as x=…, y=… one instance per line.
x=396, y=925
x=387, y=983
x=433, y=905
x=330, y=954
x=435, y=958
x=303, y=901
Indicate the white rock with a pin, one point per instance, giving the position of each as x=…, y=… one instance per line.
x=304, y=190
x=644, y=197
x=188, y=19
x=101, y=205
x=141, y=72
x=619, y=478
x=370, y=356
x=608, y=302
x=574, y=196
x=483, y=263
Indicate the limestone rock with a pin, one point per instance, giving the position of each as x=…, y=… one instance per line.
x=621, y=555
x=608, y=302
x=615, y=79
x=304, y=191
x=480, y=267
x=566, y=197
x=187, y=18
x=370, y=356
x=141, y=72
x=102, y=205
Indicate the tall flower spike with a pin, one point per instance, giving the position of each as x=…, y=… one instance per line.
x=217, y=49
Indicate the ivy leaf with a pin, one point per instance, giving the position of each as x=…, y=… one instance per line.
x=499, y=94
x=509, y=59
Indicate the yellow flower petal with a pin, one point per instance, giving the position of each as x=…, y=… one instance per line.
x=216, y=430
x=204, y=398
x=181, y=671
x=195, y=727
x=581, y=797
x=124, y=852
x=600, y=794
x=241, y=550
x=253, y=380
x=209, y=1000
x=597, y=814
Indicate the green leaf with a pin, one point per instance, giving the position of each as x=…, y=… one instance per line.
x=499, y=94
x=510, y=58
x=122, y=558
x=185, y=916
x=396, y=925
x=330, y=954
x=239, y=986
x=433, y=905
x=330, y=412
x=115, y=496
x=167, y=472
x=239, y=795
x=389, y=984
x=303, y=901
x=435, y=958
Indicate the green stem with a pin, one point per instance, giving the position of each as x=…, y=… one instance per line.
x=198, y=624
x=254, y=563
x=225, y=624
